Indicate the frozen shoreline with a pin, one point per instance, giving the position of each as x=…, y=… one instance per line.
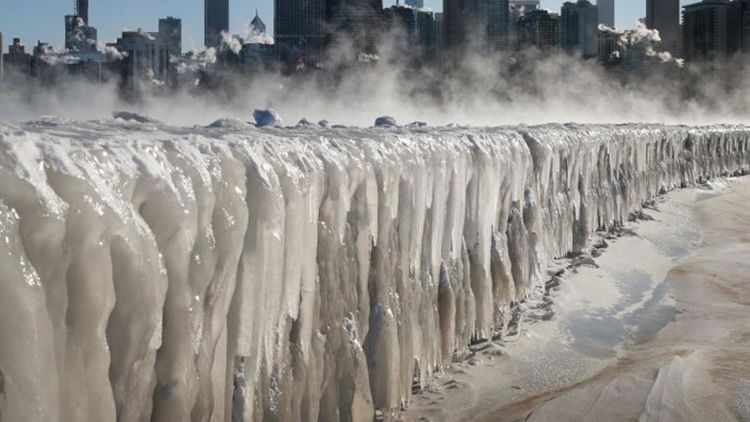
x=663, y=367
x=208, y=273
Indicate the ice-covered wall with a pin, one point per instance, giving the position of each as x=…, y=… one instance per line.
x=232, y=273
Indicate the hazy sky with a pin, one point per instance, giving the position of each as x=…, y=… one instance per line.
x=34, y=20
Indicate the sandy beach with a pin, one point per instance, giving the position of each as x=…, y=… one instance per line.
x=654, y=325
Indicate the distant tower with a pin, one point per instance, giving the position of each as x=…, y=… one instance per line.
x=606, y=12
x=300, y=28
x=578, y=28
x=469, y=21
x=664, y=16
x=257, y=23
x=82, y=10
x=216, y=21
x=1, y=61
x=170, y=31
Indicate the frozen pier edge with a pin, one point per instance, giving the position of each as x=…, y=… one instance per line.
x=232, y=273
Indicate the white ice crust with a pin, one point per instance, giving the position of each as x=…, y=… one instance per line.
x=233, y=273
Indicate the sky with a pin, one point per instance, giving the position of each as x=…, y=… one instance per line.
x=34, y=20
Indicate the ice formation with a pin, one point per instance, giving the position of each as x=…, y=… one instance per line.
x=267, y=118
x=234, y=273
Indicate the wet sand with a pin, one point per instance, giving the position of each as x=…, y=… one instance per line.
x=655, y=328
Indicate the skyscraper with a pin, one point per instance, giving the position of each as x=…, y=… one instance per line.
x=475, y=22
x=664, y=16
x=705, y=30
x=216, y=21
x=519, y=8
x=257, y=24
x=79, y=36
x=82, y=10
x=299, y=28
x=355, y=21
x=170, y=30
x=578, y=28
x=1, y=61
x=498, y=23
x=538, y=28
x=606, y=12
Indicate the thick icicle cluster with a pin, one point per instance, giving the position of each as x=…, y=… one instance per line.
x=231, y=273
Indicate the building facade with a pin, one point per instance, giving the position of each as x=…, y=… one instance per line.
x=520, y=7
x=579, y=33
x=170, y=31
x=299, y=29
x=606, y=12
x=498, y=24
x=538, y=28
x=79, y=36
x=82, y=10
x=664, y=16
x=17, y=60
x=355, y=24
x=705, y=30
x=476, y=23
x=2, y=61
x=216, y=21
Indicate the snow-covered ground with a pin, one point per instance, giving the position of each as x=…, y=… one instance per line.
x=229, y=272
x=654, y=328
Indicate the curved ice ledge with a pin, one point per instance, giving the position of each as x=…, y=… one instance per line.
x=232, y=273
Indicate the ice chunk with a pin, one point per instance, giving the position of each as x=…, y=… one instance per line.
x=132, y=117
x=267, y=117
x=304, y=124
x=385, y=121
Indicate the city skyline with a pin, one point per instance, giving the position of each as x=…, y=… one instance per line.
x=112, y=19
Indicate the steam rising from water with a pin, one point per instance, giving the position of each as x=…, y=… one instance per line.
x=527, y=87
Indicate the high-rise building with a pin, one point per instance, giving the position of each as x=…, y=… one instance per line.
x=17, y=59
x=257, y=24
x=498, y=24
x=738, y=20
x=355, y=22
x=170, y=31
x=476, y=22
x=664, y=16
x=82, y=10
x=705, y=30
x=579, y=32
x=417, y=4
x=146, y=59
x=538, y=28
x=79, y=36
x=426, y=34
x=606, y=12
x=2, y=64
x=299, y=29
x=216, y=21
x=439, y=35
x=520, y=7
x=400, y=22
x=610, y=51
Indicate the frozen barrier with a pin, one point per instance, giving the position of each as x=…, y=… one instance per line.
x=232, y=273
